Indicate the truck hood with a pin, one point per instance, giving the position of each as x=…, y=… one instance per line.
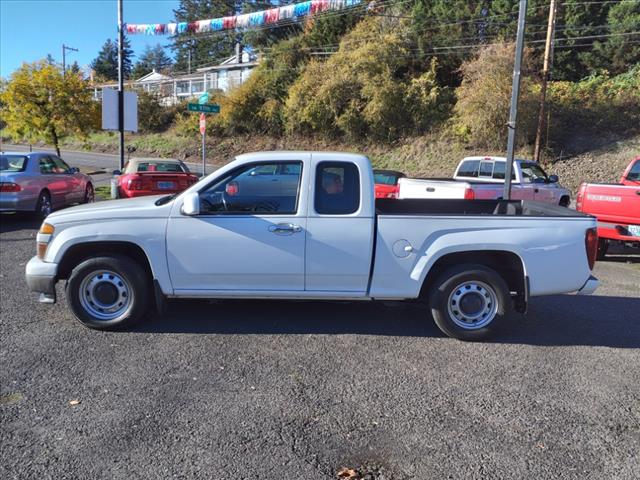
x=141, y=207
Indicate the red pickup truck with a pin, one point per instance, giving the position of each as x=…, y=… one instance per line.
x=616, y=206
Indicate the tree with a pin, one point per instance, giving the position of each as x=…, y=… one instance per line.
x=153, y=58
x=203, y=49
x=75, y=68
x=39, y=103
x=105, y=64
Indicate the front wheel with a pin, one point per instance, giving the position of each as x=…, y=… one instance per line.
x=107, y=293
x=469, y=302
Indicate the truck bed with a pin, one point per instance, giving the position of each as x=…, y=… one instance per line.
x=419, y=207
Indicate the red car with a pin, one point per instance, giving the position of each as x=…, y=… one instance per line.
x=386, y=183
x=616, y=206
x=143, y=176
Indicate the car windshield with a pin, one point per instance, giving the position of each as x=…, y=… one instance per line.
x=161, y=167
x=13, y=163
x=384, y=178
x=634, y=173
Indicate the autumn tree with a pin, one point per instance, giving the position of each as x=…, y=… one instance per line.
x=39, y=103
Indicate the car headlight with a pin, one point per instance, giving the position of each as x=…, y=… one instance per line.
x=43, y=238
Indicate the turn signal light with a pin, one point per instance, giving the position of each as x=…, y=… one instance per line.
x=46, y=229
x=9, y=187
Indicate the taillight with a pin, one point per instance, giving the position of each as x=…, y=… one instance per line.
x=134, y=184
x=9, y=187
x=469, y=194
x=591, y=244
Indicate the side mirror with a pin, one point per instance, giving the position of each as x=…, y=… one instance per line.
x=191, y=204
x=553, y=179
x=116, y=172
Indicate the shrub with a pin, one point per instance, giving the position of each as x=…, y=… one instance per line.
x=153, y=116
x=363, y=89
x=484, y=98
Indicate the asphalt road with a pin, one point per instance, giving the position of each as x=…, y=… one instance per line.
x=297, y=390
x=99, y=165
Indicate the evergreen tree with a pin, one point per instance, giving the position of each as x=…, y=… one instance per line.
x=152, y=58
x=621, y=51
x=204, y=49
x=75, y=68
x=105, y=64
x=50, y=60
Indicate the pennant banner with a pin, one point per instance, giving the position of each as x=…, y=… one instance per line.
x=246, y=20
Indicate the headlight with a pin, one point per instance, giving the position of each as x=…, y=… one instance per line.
x=43, y=238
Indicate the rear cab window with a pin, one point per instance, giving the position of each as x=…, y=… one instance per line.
x=469, y=168
x=13, y=163
x=337, y=188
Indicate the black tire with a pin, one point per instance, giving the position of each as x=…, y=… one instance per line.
x=117, y=280
x=89, y=194
x=43, y=206
x=492, y=299
x=603, y=247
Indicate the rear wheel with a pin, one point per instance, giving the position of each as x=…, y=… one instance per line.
x=89, y=194
x=565, y=202
x=43, y=205
x=469, y=302
x=107, y=293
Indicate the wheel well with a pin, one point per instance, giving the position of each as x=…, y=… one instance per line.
x=76, y=254
x=507, y=264
x=565, y=200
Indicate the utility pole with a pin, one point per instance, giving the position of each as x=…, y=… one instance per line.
x=546, y=67
x=515, y=94
x=64, y=57
x=189, y=59
x=121, y=84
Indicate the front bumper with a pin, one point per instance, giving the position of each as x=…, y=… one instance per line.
x=41, y=278
x=589, y=286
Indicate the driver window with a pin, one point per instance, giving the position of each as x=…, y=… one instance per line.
x=60, y=166
x=255, y=189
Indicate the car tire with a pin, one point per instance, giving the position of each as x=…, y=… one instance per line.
x=565, y=202
x=469, y=302
x=89, y=194
x=108, y=292
x=43, y=206
x=603, y=247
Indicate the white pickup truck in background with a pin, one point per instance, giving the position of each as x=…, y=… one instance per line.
x=305, y=225
x=482, y=178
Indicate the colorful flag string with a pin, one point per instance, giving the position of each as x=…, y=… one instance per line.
x=246, y=20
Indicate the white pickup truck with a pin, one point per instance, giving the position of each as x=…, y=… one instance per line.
x=482, y=178
x=305, y=225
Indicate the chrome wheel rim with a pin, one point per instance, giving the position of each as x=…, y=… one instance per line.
x=45, y=205
x=472, y=305
x=105, y=295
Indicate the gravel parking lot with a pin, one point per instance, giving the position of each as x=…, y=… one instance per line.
x=298, y=390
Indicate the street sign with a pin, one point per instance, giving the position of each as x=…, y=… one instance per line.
x=110, y=110
x=203, y=123
x=204, y=98
x=206, y=108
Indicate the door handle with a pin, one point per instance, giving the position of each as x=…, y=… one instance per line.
x=285, y=228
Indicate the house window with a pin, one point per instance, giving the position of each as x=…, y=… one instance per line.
x=182, y=88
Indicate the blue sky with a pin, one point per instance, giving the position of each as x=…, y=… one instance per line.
x=29, y=29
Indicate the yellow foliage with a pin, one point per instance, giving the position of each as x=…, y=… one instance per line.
x=40, y=103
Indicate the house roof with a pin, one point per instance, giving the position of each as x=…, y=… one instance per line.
x=153, y=76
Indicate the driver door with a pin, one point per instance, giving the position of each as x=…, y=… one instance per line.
x=249, y=235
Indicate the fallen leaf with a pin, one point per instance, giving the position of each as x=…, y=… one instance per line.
x=74, y=402
x=348, y=474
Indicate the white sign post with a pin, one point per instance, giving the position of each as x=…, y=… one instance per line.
x=110, y=110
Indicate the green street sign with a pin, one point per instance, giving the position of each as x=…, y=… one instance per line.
x=206, y=108
x=204, y=98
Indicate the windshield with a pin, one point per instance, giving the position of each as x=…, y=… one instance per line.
x=634, y=173
x=13, y=163
x=385, y=178
x=158, y=167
